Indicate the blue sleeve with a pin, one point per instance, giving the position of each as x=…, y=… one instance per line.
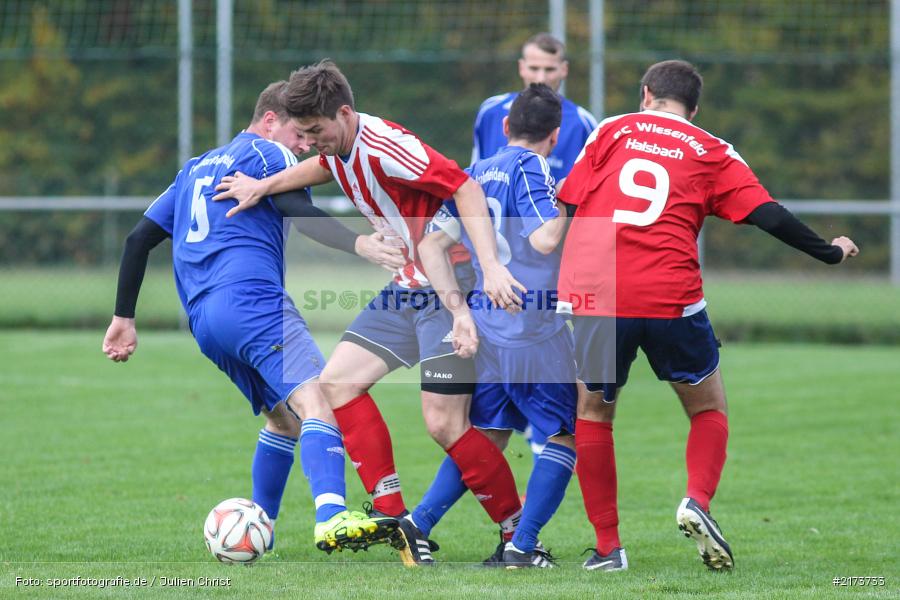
x=488, y=131
x=535, y=193
x=162, y=210
x=270, y=158
x=273, y=158
x=478, y=134
x=476, y=143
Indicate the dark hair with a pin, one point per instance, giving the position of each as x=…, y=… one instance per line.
x=674, y=79
x=318, y=90
x=535, y=113
x=547, y=43
x=272, y=98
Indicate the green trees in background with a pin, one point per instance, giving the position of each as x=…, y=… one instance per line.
x=807, y=108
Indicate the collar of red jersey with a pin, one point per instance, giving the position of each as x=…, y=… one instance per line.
x=668, y=115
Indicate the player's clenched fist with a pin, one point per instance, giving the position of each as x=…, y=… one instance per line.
x=846, y=245
x=120, y=341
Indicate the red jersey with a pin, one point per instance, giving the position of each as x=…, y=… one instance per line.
x=397, y=182
x=648, y=179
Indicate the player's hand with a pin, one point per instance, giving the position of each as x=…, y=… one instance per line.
x=375, y=249
x=465, y=336
x=120, y=341
x=248, y=191
x=500, y=287
x=846, y=245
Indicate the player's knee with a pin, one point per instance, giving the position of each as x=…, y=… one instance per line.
x=697, y=407
x=282, y=422
x=444, y=425
x=338, y=389
x=563, y=439
x=593, y=408
x=441, y=432
x=308, y=402
x=500, y=437
x=446, y=431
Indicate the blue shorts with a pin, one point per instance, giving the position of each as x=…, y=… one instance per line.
x=530, y=385
x=403, y=326
x=681, y=350
x=257, y=336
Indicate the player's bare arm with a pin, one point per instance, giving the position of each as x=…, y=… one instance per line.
x=248, y=191
x=547, y=237
x=433, y=254
x=499, y=284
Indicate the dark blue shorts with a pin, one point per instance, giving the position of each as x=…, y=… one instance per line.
x=403, y=326
x=529, y=385
x=682, y=350
x=406, y=326
x=259, y=339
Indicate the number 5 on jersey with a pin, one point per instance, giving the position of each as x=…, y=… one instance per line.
x=657, y=195
x=198, y=212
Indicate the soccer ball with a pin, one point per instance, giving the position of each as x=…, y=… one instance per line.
x=237, y=531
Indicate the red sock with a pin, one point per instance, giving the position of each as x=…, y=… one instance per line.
x=596, y=469
x=368, y=444
x=486, y=472
x=705, y=455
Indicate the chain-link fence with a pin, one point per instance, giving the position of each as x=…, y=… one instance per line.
x=88, y=94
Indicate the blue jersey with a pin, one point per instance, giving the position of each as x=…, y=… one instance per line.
x=577, y=124
x=208, y=250
x=521, y=196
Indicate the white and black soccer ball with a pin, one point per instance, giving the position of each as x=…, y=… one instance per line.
x=237, y=531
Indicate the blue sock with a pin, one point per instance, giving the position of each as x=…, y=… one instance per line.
x=445, y=490
x=546, y=488
x=322, y=455
x=271, y=467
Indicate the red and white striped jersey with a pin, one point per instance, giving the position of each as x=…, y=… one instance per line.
x=397, y=182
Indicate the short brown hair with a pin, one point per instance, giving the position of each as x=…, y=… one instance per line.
x=674, y=79
x=318, y=90
x=272, y=98
x=547, y=43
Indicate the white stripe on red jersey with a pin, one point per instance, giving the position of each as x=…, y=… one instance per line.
x=397, y=182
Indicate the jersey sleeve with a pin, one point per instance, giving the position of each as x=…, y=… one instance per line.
x=587, y=121
x=736, y=191
x=446, y=219
x=162, y=210
x=481, y=128
x=419, y=166
x=272, y=157
x=476, y=139
x=580, y=180
x=535, y=193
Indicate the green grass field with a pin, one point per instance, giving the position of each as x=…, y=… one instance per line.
x=109, y=470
